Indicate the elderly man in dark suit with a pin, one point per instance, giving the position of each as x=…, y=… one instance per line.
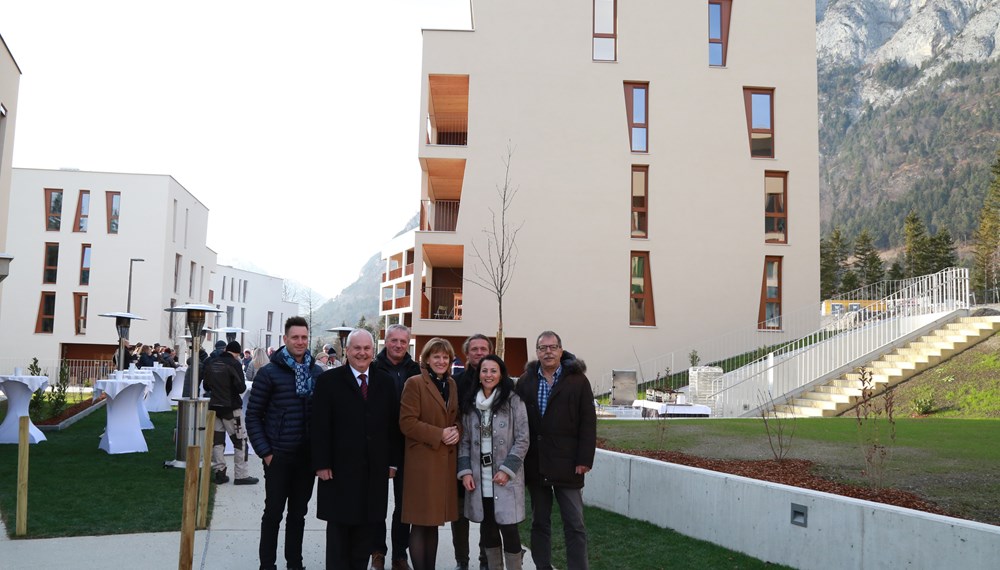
x=356, y=448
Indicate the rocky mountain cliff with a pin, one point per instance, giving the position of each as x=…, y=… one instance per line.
x=909, y=109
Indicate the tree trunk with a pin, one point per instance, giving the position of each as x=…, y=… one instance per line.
x=500, y=341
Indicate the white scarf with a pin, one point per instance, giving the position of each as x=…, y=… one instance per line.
x=484, y=405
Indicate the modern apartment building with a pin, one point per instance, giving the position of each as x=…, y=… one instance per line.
x=252, y=302
x=87, y=242
x=10, y=78
x=665, y=160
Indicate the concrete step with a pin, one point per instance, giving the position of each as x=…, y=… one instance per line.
x=848, y=391
x=810, y=403
x=799, y=412
x=824, y=396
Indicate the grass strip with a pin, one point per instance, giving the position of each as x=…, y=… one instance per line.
x=75, y=489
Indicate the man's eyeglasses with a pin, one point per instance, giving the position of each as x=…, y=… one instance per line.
x=547, y=347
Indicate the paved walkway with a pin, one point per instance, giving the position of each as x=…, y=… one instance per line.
x=230, y=543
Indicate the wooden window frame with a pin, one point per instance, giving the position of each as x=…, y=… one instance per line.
x=49, y=214
x=82, y=216
x=84, y=268
x=783, y=176
x=748, y=93
x=630, y=87
x=725, y=10
x=43, y=317
x=762, y=320
x=636, y=210
x=601, y=35
x=80, y=313
x=114, y=220
x=649, y=314
x=46, y=267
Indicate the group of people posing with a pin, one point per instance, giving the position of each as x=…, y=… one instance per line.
x=457, y=448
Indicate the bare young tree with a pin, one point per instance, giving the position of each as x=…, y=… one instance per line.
x=498, y=256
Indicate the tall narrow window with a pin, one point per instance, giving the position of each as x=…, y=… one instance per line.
x=46, y=313
x=82, y=212
x=223, y=288
x=51, y=269
x=770, y=295
x=173, y=230
x=718, y=31
x=170, y=320
x=640, y=197
x=637, y=108
x=85, y=264
x=53, y=209
x=114, y=210
x=776, y=207
x=80, y=302
x=270, y=322
x=641, y=291
x=605, y=30
x=194, y=268
x=759, y=104
x=177, y=271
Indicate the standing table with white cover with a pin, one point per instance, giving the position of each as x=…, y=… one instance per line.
x=147, y=377
x=123, y=433
x=157, y=400
x=177, y=389
x=18, y=389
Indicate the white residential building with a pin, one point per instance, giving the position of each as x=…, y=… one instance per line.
x=253, y=302
x=78, y=237
x=10, y=78
x=656, y=146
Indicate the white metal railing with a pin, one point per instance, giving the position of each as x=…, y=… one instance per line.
x=80, y=371
x=845, y=338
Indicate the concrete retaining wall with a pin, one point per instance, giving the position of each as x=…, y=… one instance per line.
x=755, y=517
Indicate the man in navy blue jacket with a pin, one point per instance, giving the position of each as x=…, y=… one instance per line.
x=277, y=421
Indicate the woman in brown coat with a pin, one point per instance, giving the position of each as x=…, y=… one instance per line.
x=428, y=418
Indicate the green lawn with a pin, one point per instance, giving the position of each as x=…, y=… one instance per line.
x=76, y=489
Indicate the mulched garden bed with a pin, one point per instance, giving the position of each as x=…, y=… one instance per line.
x=69, y=412
x=792, y=472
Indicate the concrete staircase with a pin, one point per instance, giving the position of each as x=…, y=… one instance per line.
x=899, y=364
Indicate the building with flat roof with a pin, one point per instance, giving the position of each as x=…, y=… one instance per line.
x=10, y=78
x=253, y=302
x=665, y=158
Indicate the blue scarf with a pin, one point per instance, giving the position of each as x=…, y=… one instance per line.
x=304, y=381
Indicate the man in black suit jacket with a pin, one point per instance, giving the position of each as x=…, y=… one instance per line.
x=356, y=447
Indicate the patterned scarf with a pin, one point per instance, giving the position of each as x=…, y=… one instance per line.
x=304, y=381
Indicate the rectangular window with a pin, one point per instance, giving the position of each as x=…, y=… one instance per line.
x=85, y=264
x=82, y=212
x=775, y=207
x=53, y=209
x=194, y=267
x=114, y=210
x=770, y=295
x=641, y=291
x=605, y=30
x=46, y=313
x=170, y=320
x=223, y=291
x=177, y=271
x=267, y=340
x=245, y=285
x=80, y=302
x=637, y=109
x=173, y=229
x=718, y=31
x=640, y=197
x=270, y=321
x=230, y=313
x=759, y=104
x=243, y=317
x=51, y=269
x=232, y=287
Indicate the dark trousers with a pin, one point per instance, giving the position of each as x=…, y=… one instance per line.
x=348, y=546
x=571, y=509
x=288, y=479
x=491, y=532
x=400, y=530
x=460, y=534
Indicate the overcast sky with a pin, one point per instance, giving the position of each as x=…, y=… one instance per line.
x=296, y=123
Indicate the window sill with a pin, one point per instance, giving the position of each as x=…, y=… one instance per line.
x=633, y=326
x=781, y=243
x=771, y=330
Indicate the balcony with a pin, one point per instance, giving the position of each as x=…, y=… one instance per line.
x=396, y=273
x=443, y=303
x=448, y=110
x=447, y=131
x=439, y=215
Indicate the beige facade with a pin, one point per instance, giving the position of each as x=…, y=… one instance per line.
x=10, y=78
x=623, y=279
x=253, y=302
x=74, y=235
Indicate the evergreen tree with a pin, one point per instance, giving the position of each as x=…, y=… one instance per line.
x=941, y=252
x=916, y=246
x=986, y=239
x=832, y=262
x=895, y=272
x=850, y=281
x=867, y=262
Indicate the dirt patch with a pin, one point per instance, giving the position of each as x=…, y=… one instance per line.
x=69, y=412
x=792, y=472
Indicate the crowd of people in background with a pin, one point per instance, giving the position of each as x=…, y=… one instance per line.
x=458, y=447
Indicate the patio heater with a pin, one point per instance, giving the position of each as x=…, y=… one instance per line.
x=123, y=321
x=191, y=411
x=342, y=332
x=230, y=332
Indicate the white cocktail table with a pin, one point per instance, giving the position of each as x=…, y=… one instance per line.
x=157, y=400
x=123, y=433
x=18, y=390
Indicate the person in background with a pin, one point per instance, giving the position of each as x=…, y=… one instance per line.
x=224, y=381
x=428, y=416
x=278, y=416
x=323, y=360
x=146, y=357
x=490, y=458
x=259, y=360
